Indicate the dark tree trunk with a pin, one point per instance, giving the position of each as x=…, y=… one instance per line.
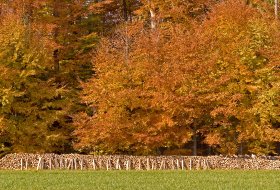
x=56, y=60
x=125, y=11
x=55, y=34
x=194, y=138
x=241, y=149
x=276, y=8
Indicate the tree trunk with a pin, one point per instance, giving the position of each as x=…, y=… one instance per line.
x=152, y=15
x=56, y=60
x=125, y=16
x=125, y=11
x=194, y=138
x=241, y=149
x=276, y=8
x=153, y=19
x=27, y=19
x=55, y=34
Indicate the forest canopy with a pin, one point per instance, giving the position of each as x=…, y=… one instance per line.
x=140, y=77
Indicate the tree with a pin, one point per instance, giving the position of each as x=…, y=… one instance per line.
x=31, y=102
x=242, y=44
x=43, y=60
x=144, y=101
x=177, y=84
x=139, y=76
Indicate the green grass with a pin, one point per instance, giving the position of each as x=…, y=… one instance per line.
x=94, y=180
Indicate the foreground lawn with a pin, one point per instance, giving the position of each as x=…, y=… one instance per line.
x=143, y=180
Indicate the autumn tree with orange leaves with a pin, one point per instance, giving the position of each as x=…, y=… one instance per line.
x=179, y=84
x=43, y=56
x=139, y=76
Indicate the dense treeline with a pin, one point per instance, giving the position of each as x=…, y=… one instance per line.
x=140, y=76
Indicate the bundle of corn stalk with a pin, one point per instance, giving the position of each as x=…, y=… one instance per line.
x=124, y=162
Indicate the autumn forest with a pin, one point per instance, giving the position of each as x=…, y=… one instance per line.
x=140, y=77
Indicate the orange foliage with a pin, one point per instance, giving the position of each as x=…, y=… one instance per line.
x=157, y=88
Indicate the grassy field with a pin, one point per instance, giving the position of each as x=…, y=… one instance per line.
x=143, y=180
